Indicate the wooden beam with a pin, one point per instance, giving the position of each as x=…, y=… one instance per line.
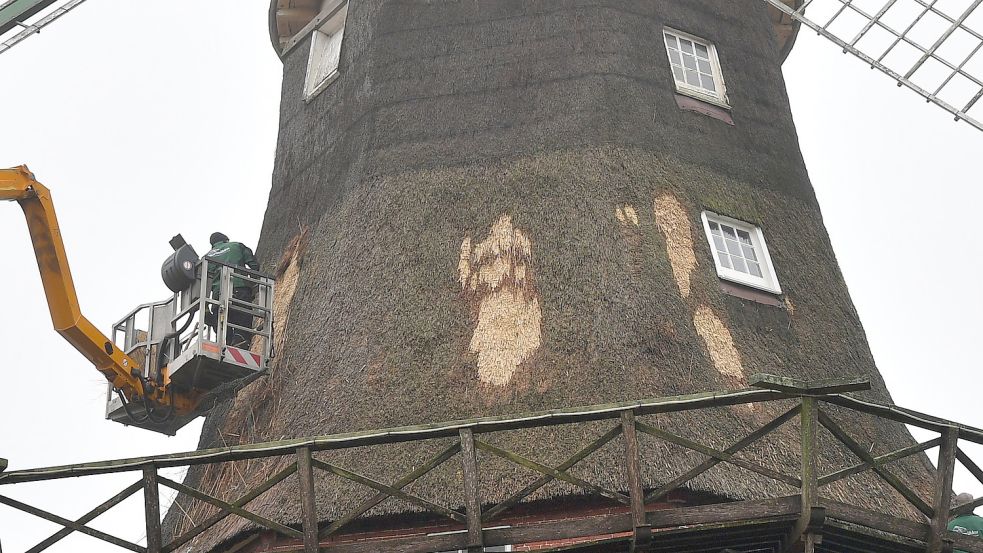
x=40, y=513
x=938, y=528
x=87, y=517
x=800, y=386
x=866, y=457
x=490, y=514
x=712, y=462
x=880, y=460
x=151, y=509
x=472, y=501
x=805, y=535
x=308, y=506
x=399, y=485
x=241, y=502
x=558, y=474
x=226, y=506
x=878, y=521
x=402, y=434
x=642, y=531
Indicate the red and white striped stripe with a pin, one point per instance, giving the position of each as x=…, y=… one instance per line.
x=244, y=357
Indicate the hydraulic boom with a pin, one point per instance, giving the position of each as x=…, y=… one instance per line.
x=122, y=371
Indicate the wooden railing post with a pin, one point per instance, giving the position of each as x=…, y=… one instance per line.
x=305, y=474
x=642, y=530
x=943, y=491
x=151, y=507
x=805, y=535
x=472, y=501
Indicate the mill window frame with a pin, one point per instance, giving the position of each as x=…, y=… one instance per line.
x=703, y=57
x=747, y=247
x=325, y=53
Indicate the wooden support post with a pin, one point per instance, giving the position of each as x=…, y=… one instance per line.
x=642, y=531
x=806, y=533
x=943, y=491
x=472, y=501
x=151, y=507
x=305, y=474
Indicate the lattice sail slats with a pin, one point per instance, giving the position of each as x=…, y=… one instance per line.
x=30, y=23
x=930, y=46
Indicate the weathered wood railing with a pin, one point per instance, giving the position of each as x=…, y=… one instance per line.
x=801, y=521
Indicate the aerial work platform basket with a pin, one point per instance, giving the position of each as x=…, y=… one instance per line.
x=209, y=339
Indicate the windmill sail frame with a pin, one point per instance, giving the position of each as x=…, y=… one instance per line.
x=905, y=75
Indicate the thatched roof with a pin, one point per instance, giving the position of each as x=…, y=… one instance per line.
x=503, y=202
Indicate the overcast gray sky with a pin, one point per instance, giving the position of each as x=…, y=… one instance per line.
x=152, y=118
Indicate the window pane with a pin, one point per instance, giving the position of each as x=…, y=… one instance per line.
x=702, y=50
x=671, y=41
x=729, y=232
x=718, y=242
x=714, y=227
x=674, y=57
x=744, y=236
x=705, y=67
x=738, y=264
x=692, y=77
x=749, y=252
x=754, y=268
x=708, y=83
x=725, y=260
x=689, y=62
x=733, y=247
x=678, y=73
x=686, y=45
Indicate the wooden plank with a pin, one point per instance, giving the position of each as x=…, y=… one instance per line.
x=866, y=457
x=87, y=517
x=472, y=501
x=399, y=485
x=742, y=512
x=305, y=474
x=225, y=506
x=905, y=416
x=490, y=514
x=962, y=542
x=560, y=475
x=221, y=515
x=711, y=452
x=642, y=532
x=712, y=462
x=801, y=537
x=151, y=509
x=40, y=513
x=938, y=528
x=400, y=434
x=809, y=387
x=879, y=460
x=379, y=486
x=878, y=521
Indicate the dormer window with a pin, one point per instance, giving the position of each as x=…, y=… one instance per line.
x=322, y=65
x=695, y=67
x=740, y=253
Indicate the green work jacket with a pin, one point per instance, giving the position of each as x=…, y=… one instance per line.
x=970, y=525
x=232, y=253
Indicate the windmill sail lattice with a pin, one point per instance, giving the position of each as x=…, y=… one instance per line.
x=930, y=46
x=29, y=16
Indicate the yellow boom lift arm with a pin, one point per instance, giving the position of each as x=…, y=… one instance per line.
x=122, y=371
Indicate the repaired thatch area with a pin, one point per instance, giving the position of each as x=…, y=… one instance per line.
x=481, y=157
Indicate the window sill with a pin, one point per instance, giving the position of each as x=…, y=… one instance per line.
x=751, y=294
x=686, y=102
x=325, y=83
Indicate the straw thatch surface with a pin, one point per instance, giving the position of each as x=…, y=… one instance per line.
x=504, y=209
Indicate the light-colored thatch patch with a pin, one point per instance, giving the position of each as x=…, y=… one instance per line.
x=627, y=215
x=509, y=319
x=675, y=225
x=720, y=345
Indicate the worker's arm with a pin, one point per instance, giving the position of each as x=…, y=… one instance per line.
x=18, y=185
x=249, y=259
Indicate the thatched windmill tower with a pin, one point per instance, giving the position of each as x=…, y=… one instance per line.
x=492, y=207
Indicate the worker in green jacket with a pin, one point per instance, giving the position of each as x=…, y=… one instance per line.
x=968, y=524
x=237, y=255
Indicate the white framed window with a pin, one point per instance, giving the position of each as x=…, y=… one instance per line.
x=322, y=64
x=695, y=67
x=740, y=252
